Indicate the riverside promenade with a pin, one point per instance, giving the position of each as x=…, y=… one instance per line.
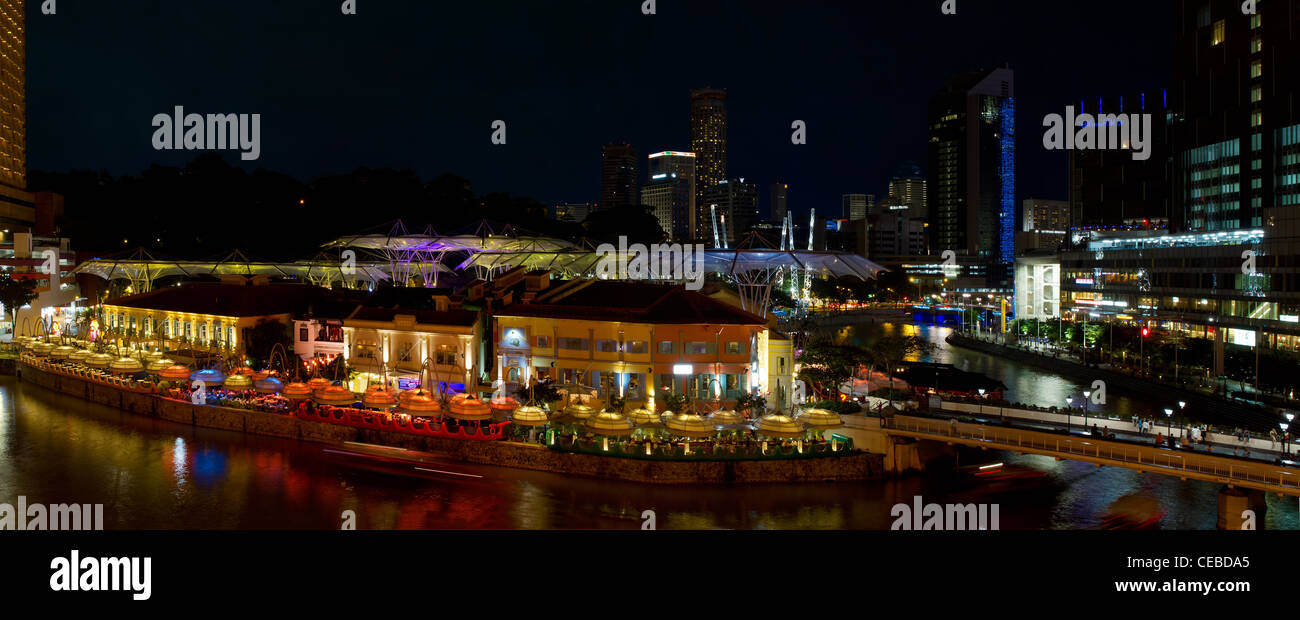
x=857, y=466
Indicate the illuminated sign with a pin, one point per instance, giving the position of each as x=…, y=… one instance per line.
x=671, y=154
x=683, y=369
x=1242, y=337
x=1084, y=281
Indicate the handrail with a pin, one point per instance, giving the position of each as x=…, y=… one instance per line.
x=1135, y=456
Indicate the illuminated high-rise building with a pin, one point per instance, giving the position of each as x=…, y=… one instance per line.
x=853, y=207
x=734, y=204
x=16, y=205
x=909, y=189
x=973, y=172
x=1236, y=128
x=709, y=142
x=670, y=192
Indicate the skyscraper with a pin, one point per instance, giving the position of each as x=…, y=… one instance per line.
x=853, y=207
x=973, y=171
x=1236, y=134
x=1045, y=224
x=910, y=189
x=1110, y=188
x=618, y=178
x=736, y=209
x=709, y=142
x=670, y=191
x=16, y=205
x=780, y=196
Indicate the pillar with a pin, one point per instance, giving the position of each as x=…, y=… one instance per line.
x=1234, y=502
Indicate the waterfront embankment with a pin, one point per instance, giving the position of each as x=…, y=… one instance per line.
x=853, y=467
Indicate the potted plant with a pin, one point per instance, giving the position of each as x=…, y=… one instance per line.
x=751, y=405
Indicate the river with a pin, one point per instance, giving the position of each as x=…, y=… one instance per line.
x=152, y=474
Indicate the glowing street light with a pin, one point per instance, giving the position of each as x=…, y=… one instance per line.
x=1087, y=396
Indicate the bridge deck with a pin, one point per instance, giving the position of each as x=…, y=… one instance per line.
x=1184, y=464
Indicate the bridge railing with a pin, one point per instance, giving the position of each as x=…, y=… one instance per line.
x=1131, y=455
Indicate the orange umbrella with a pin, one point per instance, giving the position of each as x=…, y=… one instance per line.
x=175, y=373
x=469, y=408
x=418, y=402
x=297, y=391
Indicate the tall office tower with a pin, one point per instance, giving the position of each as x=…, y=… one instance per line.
x=894, y=233
x=709, y=141
x=910, y=190
x=16, y=204
x=1108, y=188
x=780, y=205
x=670, y=191
x=1044, y=226
x=618, y=179
x=973, y=171
x=735, y=205
x=854, y=207
x=1236, y=134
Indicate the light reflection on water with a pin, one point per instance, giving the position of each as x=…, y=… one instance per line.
x=1025, y=383
x=157, y=475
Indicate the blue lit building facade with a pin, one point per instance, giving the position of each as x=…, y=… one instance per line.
x=973, y=172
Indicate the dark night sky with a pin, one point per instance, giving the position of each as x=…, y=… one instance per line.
x=417, y=84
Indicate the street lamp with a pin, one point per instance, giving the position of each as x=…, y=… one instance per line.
x=1169, y=417
x=1182, y=406
x=981, y=403
x=1290, y=417
x=1087, y=396
x=1069, y=407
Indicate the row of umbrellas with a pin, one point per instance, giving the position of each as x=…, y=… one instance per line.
x=689, y=425
x=462, y=406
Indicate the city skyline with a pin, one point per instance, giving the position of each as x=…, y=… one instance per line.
x=862, y=101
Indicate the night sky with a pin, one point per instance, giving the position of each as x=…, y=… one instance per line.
x=417, y=84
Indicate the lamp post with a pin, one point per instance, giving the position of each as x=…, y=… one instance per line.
x=981, y=404
x=1290, y=417
x=1169, y=419
x=1087, y=396
x=1182, y=406
x=1069, y=406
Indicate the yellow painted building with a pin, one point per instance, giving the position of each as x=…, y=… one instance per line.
x=396, y=343
x=203, y=316
x=632, y=340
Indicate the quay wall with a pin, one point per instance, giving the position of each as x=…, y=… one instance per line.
x=856, y=467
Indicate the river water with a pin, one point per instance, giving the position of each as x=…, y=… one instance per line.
x=152, y=474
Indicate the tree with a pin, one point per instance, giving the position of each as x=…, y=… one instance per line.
x=15, y=294
x=826, y=366
x=889, y=351
x=262, y=338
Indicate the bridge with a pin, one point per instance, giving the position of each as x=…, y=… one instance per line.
x=902, y=438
